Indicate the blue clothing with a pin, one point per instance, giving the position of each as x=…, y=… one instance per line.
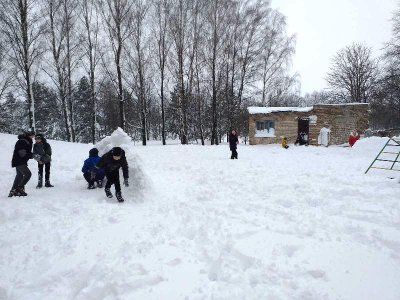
x=89, y=166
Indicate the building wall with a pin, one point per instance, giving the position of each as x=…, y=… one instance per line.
x=285, y=124
x=340, y=118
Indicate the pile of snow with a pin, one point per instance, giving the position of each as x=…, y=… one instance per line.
x=138, y=179
x=301, y=223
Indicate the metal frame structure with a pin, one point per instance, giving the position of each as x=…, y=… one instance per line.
x=396, y=142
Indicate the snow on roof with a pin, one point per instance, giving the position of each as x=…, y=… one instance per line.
x=267, y=110
x=341, y=104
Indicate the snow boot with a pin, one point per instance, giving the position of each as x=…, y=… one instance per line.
x=21, y=192
x=108, y=193
x=48, y=184
x=119, y=197
x=91, y=186
x=100, y=183
x=12, y=193
x=40, y=182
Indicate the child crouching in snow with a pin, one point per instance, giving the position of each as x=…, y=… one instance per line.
x=90, y=172
x=111, y=162
x=284, y=142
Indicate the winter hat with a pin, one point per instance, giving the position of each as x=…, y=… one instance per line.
x=93, y=152
x=29, y=132
x=39, y=136
x=116, y=151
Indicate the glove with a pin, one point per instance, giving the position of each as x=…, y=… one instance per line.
x=92, y=175
x=126, y=182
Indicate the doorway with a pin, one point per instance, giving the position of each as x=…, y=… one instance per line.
x=303, y=131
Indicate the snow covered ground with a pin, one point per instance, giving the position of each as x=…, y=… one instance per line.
x=302, y=223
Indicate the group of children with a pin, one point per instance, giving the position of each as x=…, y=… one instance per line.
x=302, y=138
x=94, y=169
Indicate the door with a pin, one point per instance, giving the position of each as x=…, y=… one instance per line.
x=303, y=131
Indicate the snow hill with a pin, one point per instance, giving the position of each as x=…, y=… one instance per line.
x=302, y=223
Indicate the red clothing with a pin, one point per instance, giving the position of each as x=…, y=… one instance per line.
x=353, y=139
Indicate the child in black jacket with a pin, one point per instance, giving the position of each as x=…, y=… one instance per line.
x=111, y=162
x=22, y=153
x=42, y=154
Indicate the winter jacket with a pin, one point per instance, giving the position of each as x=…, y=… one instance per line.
x=22, y=151
x=353, y=139
x=89, y=166
x=284, y=143
x=233, y=140
x=42, y=151
x=110, y=165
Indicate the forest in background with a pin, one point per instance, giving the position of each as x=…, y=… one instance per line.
x=76, y=70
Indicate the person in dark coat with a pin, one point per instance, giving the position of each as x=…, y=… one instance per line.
x=22, y=153
x=111, y=162
x=233, y=141
x=90, y=172
x=42, y=154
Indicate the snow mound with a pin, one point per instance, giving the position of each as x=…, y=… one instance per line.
x=139, y=181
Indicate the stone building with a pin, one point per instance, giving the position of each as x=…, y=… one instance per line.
x=268, y=124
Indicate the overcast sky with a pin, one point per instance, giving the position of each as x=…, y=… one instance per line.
x=325, y=26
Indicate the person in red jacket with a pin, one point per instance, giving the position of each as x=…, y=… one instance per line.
x=353, y=138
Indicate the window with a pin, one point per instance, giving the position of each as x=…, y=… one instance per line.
x=265, y=128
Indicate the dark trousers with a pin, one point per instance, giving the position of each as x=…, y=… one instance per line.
x=22, y=177
x=234, y=154
x=46, y=170
x=113, y=178
x=90, y=179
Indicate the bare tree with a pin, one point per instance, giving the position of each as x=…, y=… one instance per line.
x=160, y=31
x=353, y=74
x=139, y=59
x=117, y=17
x=20, y=25
x=216, y=17
x=277, y=50
x=178, y=25
x=90, y=18
x=63, y=46
x=7, y=74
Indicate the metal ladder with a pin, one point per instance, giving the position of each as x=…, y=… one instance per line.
x=392, y=142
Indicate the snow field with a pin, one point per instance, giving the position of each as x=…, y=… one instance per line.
x=302, y=223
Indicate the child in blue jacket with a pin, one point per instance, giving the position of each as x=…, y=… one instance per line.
x=91, y=173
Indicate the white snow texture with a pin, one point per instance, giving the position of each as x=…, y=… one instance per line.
x=301, y=223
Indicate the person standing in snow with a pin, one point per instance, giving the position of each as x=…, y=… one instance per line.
x=111, y=162
x=233, y=141
x=22, y=153
x=42, y=154
x=324, y=136
x=90, y=172
x=353, y=138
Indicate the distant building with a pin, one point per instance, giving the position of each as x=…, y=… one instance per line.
x=268, y=124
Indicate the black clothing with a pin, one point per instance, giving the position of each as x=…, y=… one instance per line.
x=234, y=154
x=93, y=152
x=22, y=151
x=113, y=178
x=233, y=140
x=47, y=171
x=109, y=164
x=22, y=177
x=42, y=151
x=111, y=168
x=91, y=180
